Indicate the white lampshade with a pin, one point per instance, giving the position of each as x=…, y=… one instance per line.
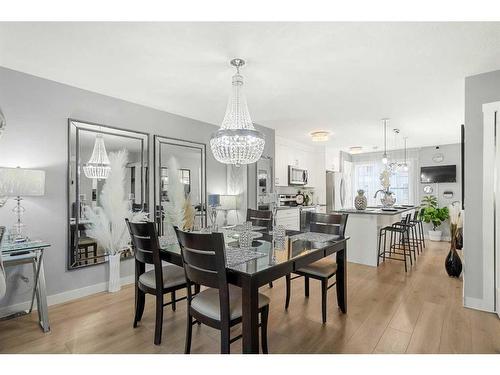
x=228, y=202
x=22, y=182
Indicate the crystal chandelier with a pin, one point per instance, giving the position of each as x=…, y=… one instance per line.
x=98, y=165
x=3, y=123
x=237, y=142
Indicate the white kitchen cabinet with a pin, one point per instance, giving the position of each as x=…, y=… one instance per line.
x=289, y=152
x=289, y=218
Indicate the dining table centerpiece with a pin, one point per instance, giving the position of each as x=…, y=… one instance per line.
x=107, y=221
x=388, y=199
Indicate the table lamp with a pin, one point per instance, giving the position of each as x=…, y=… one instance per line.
x=18, y=183
x=228, y=203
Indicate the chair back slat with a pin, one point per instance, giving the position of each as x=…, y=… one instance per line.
x=261, y=218
x=144, y=240
x=201, y=276
x=324, y=223
x=204, y=260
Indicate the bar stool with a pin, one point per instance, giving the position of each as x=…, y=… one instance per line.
x=397, y=242
x=420, y=230
x=412, y=237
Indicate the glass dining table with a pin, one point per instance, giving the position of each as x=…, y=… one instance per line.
x=268, y=263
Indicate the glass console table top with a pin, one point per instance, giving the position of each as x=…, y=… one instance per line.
x=9, y=247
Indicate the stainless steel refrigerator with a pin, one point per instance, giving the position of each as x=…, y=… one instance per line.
x=337, y=194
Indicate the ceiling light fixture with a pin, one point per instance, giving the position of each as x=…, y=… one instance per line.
x=98, y=166
x=237, y=142
x=384, y=156
x=320, y=136
x=355, y=149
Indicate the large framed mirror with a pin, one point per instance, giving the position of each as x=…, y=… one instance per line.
x=88, y=142
x=190, y=160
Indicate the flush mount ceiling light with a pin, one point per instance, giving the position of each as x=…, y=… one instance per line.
x=237, y=142
x=3, y=123
x=320, y=136
x=355, y=149
x=98, y=165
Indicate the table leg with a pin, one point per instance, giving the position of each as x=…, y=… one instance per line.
x=342, y=279
x=250, y=318
x=41, y=297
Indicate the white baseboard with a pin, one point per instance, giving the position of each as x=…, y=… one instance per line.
x=443, y=238
x=479, y=304
x=69, y=295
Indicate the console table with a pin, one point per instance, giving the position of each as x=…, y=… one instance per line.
x=30, y=252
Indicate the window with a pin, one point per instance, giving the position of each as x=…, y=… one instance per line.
x=367, y=177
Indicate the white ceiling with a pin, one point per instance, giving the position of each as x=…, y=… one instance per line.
x=300, y=77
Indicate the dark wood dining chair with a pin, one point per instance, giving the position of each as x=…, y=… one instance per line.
x=219, y=306
x=261, y=218
x=169, y=277
x=322, y=269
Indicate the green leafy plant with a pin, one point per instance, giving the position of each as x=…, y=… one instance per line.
x=432, y=213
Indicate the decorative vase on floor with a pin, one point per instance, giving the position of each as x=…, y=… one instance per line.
x=453, y=264
x=114, y=284
x=360, y=202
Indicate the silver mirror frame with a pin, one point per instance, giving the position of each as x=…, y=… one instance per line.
x=253, y=178
x=74, y=127
x=202, y=147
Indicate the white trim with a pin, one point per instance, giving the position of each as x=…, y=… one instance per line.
x=489, y=231
x=498, y=299
x=478, y=304
x=66, y=296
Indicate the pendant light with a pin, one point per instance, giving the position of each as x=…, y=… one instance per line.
x=384, y=156
x=3, y=123
x=237, y=142
x=98, y=166
x=395, y=166
x=405, y=164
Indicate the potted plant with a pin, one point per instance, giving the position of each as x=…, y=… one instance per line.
x=432, y=213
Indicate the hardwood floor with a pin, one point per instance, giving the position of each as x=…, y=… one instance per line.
x=388, y=312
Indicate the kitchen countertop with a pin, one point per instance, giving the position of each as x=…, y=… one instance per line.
x=376, y=211
x=296, y=207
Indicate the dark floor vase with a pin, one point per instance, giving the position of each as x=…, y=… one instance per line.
x=453, y=264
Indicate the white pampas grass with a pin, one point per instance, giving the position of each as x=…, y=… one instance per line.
x=107, y=223
x=174, y=208
x=455, y=215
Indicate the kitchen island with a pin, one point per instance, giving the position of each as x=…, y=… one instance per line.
x=363, y=227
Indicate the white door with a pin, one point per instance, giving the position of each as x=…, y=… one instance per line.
x=491, y=205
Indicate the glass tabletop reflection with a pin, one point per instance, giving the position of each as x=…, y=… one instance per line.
x=290, y=249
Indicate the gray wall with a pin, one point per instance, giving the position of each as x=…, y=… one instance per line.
x=37, y=111
x=479, y=89
x=451, y=154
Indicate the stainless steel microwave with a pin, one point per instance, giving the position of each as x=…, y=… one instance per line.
x=297, y=176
